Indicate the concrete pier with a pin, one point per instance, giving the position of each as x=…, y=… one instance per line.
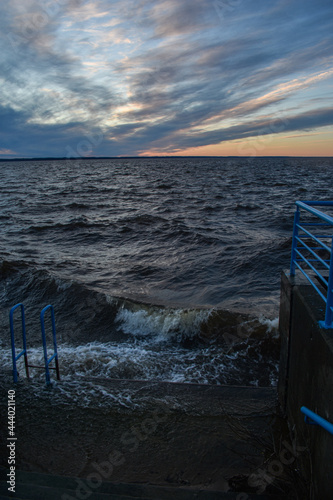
x=306, y=379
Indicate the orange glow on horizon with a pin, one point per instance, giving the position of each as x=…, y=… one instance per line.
x=303, y=144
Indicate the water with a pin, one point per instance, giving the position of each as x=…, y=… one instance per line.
x=164, y=269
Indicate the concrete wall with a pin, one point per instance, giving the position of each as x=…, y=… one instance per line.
x=306, y=379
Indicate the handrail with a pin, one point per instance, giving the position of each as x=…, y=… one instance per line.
x=306, y=259
x=314, y=419
x=55, y=355
x=307, y=205
x=24, y=351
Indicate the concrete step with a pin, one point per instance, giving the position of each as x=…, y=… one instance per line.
x=193, y=439
x=34, y=486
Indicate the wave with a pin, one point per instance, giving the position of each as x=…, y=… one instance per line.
x=143, y=219
x=247, y=207
x=162, y=325
x=26, y=282
x=70, y=225
x=77, y=206
x=77, y=302
x=100, y=335
x=249, y=362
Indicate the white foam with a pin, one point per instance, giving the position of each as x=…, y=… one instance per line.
x=63, y=285
x=162, y=324
x=271, y=324
x=146, y=354
x=139, y=360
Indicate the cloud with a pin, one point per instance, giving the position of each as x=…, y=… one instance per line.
x=7, y=152
x=176, y=141
x=170, y=74
x=174, y=18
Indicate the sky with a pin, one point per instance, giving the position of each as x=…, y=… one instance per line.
x=166, y=77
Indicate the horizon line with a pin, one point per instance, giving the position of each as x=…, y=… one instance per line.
x=147, y=157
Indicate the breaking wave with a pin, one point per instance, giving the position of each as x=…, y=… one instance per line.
x=111, y=337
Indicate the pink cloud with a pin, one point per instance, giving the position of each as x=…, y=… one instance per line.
x=7, y=152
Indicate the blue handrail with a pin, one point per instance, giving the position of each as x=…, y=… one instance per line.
x=55, y=355
x=24, y=351
x=304, y=253
x=314, y=419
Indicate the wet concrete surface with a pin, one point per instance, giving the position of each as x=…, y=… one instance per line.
x=196, y=436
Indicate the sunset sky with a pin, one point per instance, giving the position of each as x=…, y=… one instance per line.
x=168, y=77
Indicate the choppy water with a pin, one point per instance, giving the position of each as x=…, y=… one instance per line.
x=161, y=269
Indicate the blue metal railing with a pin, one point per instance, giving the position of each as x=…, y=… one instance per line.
x=312, y=251
x=24, y=351
x=55, y=354
x=314, y=419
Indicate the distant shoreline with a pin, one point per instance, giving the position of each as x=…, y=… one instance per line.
x=144, y=158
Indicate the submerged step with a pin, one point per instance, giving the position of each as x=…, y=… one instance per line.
x=200, y=399
x=203, y=438
x=35, y=486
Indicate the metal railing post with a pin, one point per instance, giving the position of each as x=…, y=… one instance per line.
x=24, y=351
x=329, y=303
x=294, y=242
x=314, y=419
x=55, y=354
x=310, y=238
